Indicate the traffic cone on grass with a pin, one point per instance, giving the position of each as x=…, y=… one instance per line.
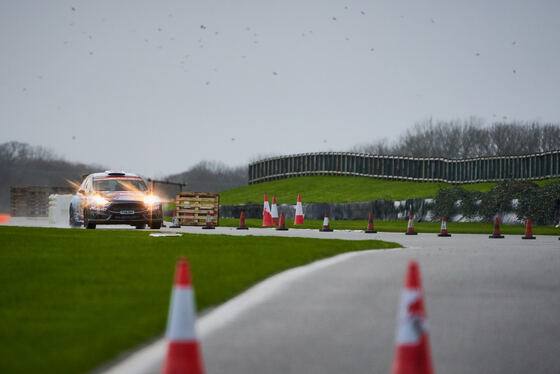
x=410, y=229
x=443, y=232
x=175, y=221
x=209, y=225
x=267, y=217
x=242, y=222
x=528, y=230
x=326, y=226
x=299, y=212
x=183, y=350
x=370, y=229
x=274, y=212
x=496, y=234
x=412, y=354
x=282, y=224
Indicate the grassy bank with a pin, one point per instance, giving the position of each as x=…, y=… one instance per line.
x=332, y=189
x=400, y=226
x=72, y=299
x=335, y=189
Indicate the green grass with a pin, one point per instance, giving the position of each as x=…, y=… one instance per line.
x=332, y=189
x=73, y=299
x=341, y=189
x=400, y=226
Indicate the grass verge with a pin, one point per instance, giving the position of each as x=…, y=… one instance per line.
x=73, y=299
x=400, y=226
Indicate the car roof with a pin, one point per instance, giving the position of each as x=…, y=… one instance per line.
x=111, y=173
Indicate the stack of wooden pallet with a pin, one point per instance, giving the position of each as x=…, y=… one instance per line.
x=193, y=207
x=33, y=201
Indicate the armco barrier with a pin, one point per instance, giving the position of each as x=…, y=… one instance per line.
x=484, y=169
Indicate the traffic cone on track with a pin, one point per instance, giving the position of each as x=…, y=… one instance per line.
x=370, y=229
x=274, y=212
x=299, y=212
x=4, y=218
x=209, y=225
x=282, y=224
x=496, y=234
x=443, y=232
x=410, y=229
x=528, y=230
x=326, y=226
x=183, y=350
x=175, y=221
x=242, y=225
x=267, y=217
x=412, y=354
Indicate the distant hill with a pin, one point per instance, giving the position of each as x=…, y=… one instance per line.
x=25, y=165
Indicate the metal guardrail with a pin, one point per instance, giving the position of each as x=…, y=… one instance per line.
x=483, y=169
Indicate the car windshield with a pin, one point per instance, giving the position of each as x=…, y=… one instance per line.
x=119, y=184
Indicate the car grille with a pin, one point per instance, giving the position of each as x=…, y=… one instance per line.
x=136, y=206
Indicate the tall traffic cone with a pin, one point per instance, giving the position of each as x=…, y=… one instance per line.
x=183, y=351
x=496, y=234
x=443, y=232
x=326, y=226
x=528, y=230
x=370, y=229
x=412, y=355
x=410, y=229
x=267, y=217
x=274, y=211
x=282, y=224
x=209, y=225
x=242, y=225
x=299, y=212
x=175, y=221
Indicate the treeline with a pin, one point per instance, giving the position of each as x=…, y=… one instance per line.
x=209, y=176
x=25, y=165
x=525, y=199
x=469, y=138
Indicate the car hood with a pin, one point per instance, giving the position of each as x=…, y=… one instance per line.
x=124, y=195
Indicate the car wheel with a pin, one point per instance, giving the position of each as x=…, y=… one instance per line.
x=141, y=226
x=72, y=218
x=87, y=223
x=155, y=225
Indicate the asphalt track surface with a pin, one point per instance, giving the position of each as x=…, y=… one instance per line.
x=493, y=306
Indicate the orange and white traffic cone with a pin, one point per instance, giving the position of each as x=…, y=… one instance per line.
x=267, y=217
x=175, y=221
x=496, y=234
x=282, y=224
x=299, y=212
x=528, y=230
x=326, y=226
x=443, y=232
x=209, y=225
x=183, y=350
x=410, y=229
x=370, y=229
x=274, y=212
x=4, y=218
x=242, y=225
x=412, y=354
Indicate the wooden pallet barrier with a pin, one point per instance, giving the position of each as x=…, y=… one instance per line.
x=33, y=201
x=192, y=208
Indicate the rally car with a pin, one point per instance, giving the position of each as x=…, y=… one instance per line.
x=115, y=198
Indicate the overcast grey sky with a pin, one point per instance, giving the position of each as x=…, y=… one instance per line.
x=155, y=86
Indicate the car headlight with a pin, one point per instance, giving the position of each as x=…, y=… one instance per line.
x=152, y=201
x=99, y=201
